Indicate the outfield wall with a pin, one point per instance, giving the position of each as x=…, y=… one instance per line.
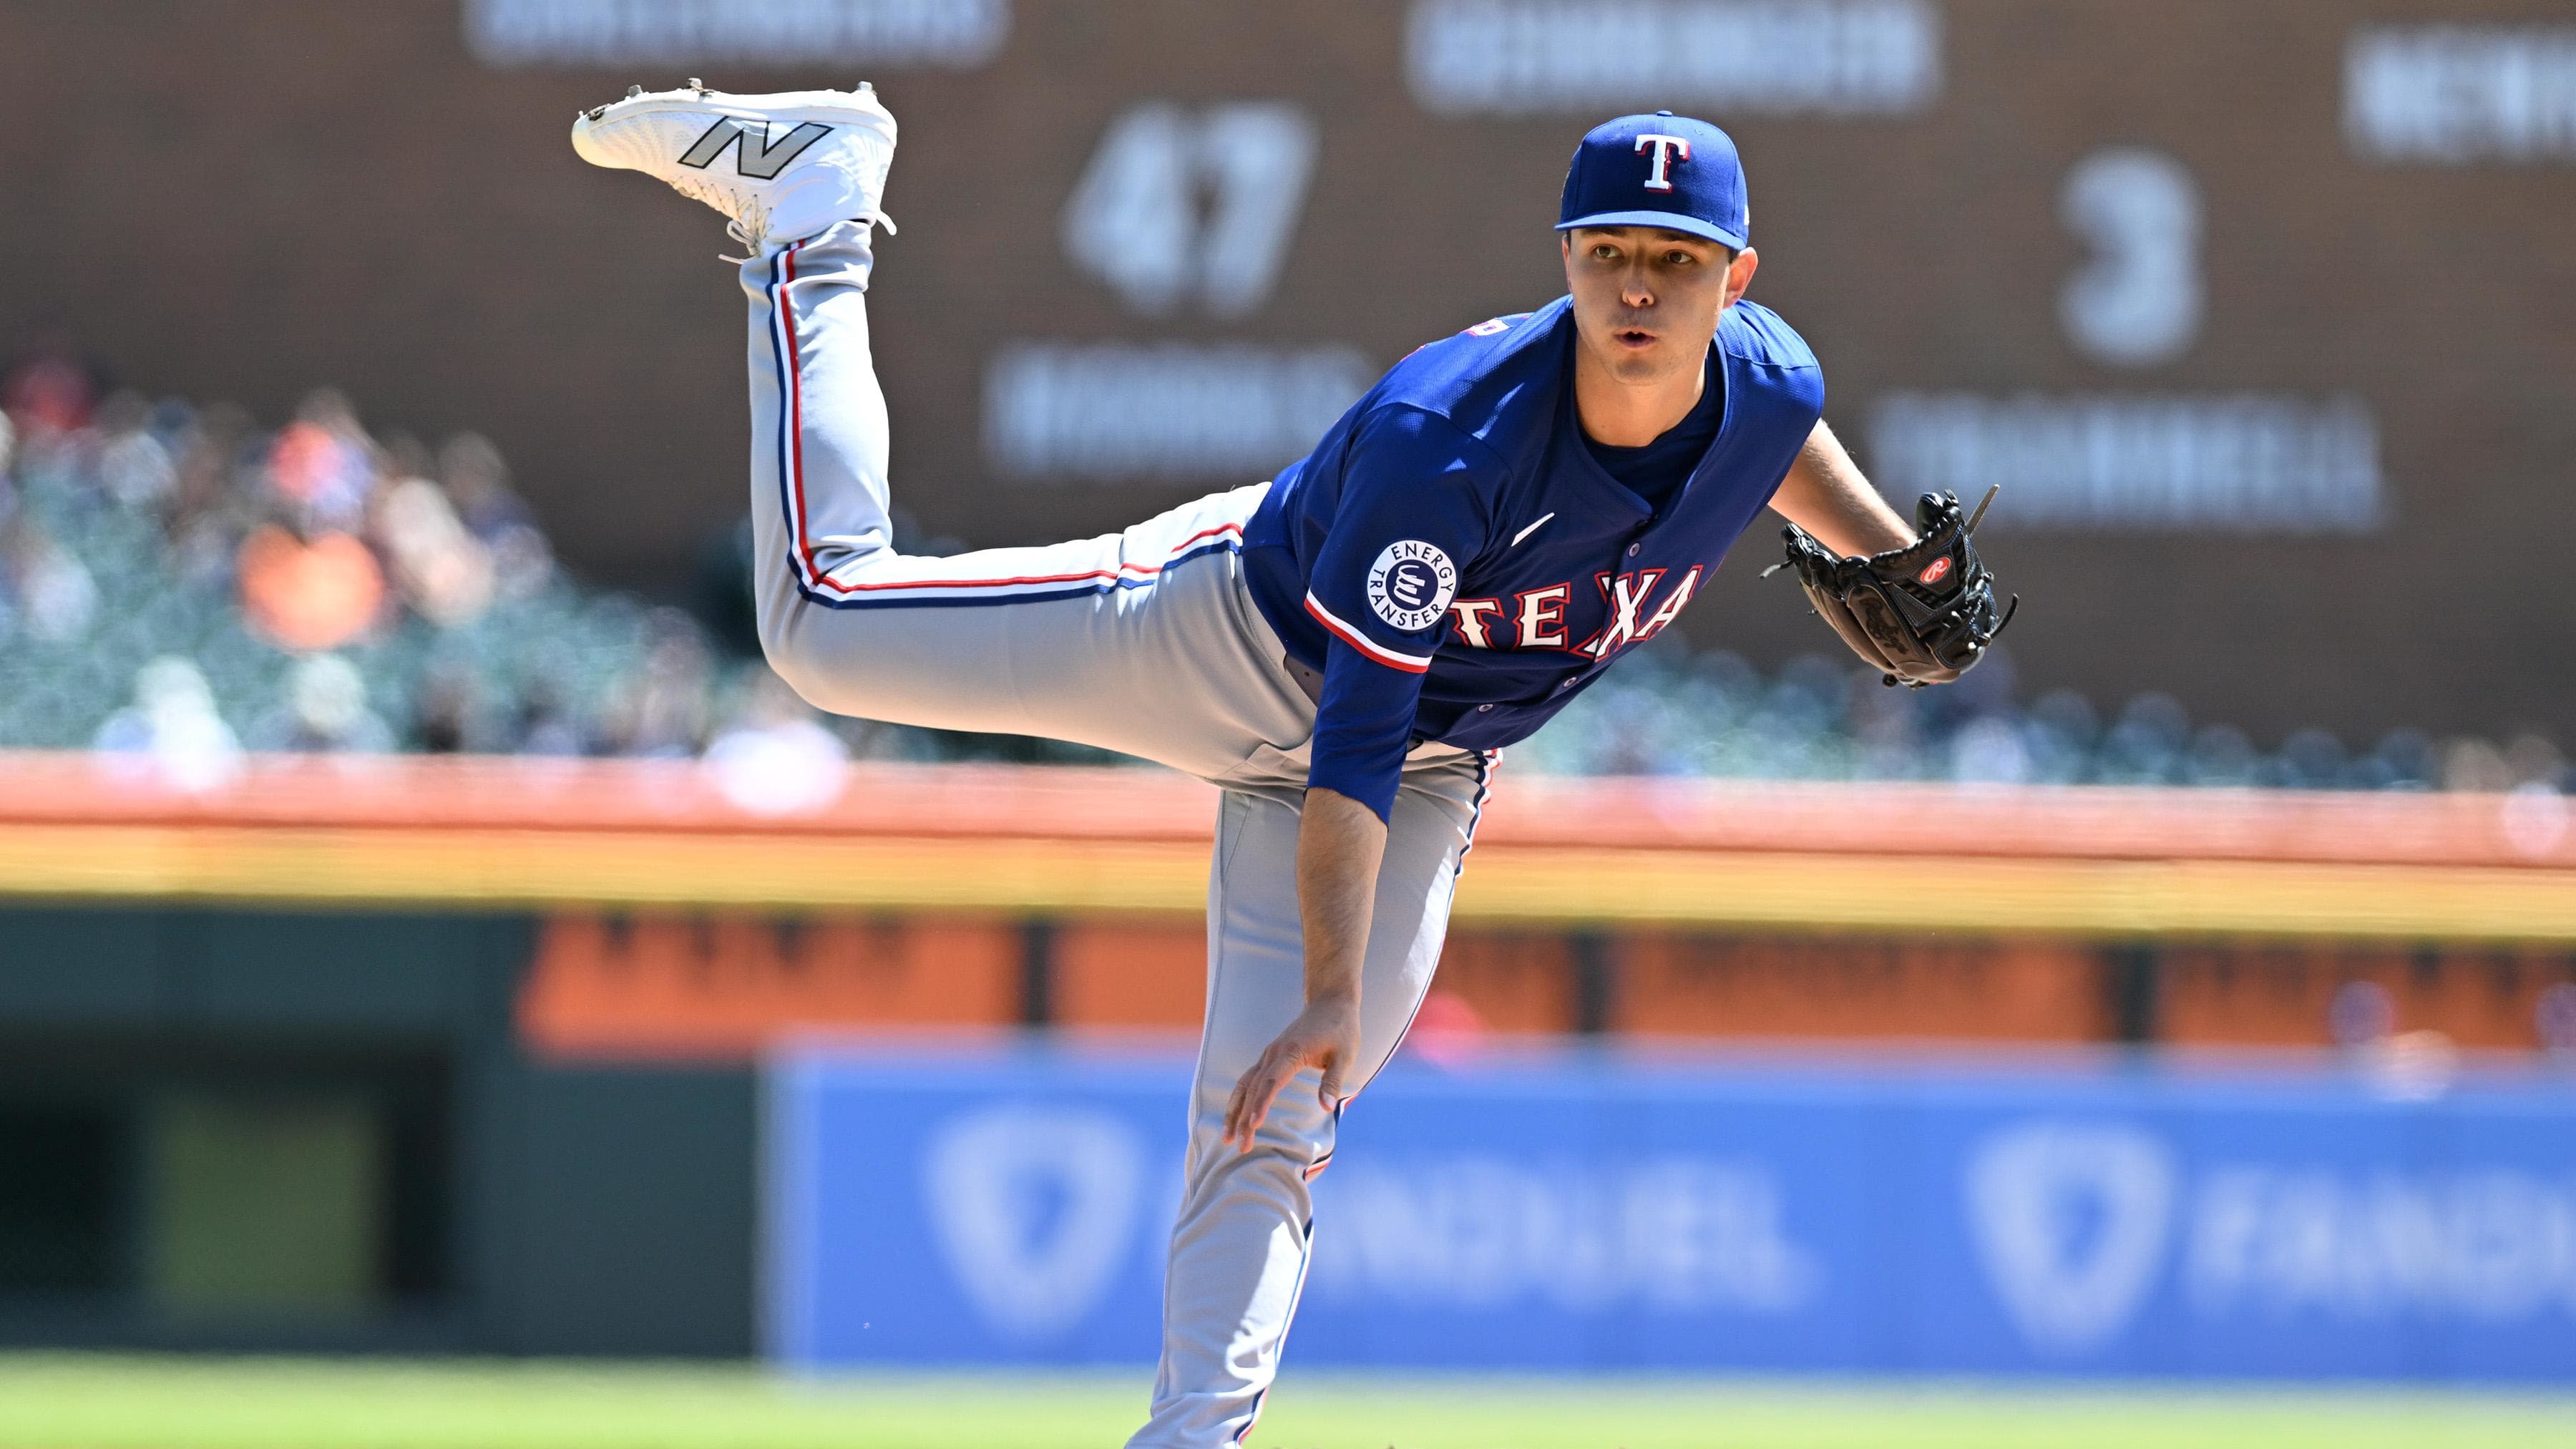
x=487, y=1028
x=1609, y=1213
x=676, y=920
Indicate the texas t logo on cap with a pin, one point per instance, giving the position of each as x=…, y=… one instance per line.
x=1665, y=149
x=1660, y=170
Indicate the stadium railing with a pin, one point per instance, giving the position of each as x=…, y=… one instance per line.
x=488, y=832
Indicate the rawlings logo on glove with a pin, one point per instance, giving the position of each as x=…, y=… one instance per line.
x=1919, y=615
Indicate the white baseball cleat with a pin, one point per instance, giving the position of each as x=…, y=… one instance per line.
x=780, y=167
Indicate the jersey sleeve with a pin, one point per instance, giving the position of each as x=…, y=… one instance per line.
x=1414, y=509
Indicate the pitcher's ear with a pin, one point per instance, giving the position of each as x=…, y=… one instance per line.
x=1739, y=272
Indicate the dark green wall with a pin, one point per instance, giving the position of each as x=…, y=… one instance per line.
x=632, y=1212
x=529, y=1207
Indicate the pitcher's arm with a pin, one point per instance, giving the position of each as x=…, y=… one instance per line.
x=1339, y=845
x=1826, y=495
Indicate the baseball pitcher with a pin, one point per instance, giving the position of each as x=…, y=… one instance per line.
x=1343, y=650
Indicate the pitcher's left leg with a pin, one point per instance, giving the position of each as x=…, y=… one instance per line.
x=1240, y=1247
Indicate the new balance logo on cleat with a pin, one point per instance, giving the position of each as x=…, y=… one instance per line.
x=802, y=160
x=757, y=157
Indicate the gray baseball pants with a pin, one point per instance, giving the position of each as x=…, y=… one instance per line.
x=1145, y=642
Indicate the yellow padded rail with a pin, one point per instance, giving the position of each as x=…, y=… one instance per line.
x=502, y=834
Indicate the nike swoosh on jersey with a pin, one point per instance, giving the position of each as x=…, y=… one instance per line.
x=1526, y=532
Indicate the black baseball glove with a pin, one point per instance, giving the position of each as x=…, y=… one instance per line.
x=1918, y=615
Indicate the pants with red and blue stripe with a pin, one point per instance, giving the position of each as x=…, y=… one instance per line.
x=1144, y=641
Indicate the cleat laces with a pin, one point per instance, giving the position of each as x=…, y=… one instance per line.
x=750, y=230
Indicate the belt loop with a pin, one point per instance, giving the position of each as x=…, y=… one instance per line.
x=1309, y=680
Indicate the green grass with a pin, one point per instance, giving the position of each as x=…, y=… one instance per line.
x=66, y=1401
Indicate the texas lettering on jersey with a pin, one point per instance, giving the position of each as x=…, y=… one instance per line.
x=1458, y=566
x=1535, y=618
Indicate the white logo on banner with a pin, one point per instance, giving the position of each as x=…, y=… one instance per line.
x=2071, y=1220
x=2489, y=1246
x=1035, y=1207
x=1676, y=1234
x=1179, y=205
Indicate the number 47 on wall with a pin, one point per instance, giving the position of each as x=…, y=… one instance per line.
x=1182, y=206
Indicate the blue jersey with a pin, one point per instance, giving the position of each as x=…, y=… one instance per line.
x=1458, y=564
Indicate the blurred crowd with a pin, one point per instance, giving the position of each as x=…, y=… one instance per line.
x=180, y=582
x=1664, y=711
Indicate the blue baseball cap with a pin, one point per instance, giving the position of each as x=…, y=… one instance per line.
x=1659, y=170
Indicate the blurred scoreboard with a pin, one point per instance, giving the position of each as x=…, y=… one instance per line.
x=2263, y=311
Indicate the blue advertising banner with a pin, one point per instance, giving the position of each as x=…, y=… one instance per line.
x=1600, y=1214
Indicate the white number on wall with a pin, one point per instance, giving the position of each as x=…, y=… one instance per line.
x=2138, y=301
x=1180, y=206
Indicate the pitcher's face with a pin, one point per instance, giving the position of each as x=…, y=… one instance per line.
x=1647, y=300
